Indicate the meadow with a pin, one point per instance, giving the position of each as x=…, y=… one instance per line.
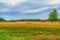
x=29, y=30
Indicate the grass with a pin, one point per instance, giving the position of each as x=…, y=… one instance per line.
x=29, y=31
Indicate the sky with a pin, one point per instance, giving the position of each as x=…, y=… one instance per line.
x=28, y=9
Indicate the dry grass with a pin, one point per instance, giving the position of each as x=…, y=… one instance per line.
x=45, y=23
x=33, y=30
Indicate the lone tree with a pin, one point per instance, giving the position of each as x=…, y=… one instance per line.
x=53, y=16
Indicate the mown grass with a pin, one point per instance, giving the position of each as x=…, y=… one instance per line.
x=29, y=32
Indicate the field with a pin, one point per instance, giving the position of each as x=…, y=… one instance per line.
x=29, y=30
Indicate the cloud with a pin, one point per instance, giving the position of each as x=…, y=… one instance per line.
x=4, y=10
x=4, y=7
x=55, y=2
x=31, y=6
x=45, y=2
x=12, y=2
x=36, y=10
x=17, y=8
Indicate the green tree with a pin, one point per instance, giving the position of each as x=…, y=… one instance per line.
x=53, y=16
x=1, y=19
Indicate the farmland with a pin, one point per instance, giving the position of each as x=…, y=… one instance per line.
x=29, y=30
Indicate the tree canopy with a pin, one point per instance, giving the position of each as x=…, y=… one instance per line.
x=53, y=16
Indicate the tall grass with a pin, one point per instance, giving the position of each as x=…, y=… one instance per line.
x=28, y=31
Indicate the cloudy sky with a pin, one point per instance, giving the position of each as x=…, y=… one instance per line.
x=28, y=9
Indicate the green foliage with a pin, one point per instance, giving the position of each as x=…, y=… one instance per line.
x=53, y=15
x=58, y=19
x=32, y=20
x=1, y=19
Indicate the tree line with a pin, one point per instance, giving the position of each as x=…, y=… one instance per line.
x=53, y=16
